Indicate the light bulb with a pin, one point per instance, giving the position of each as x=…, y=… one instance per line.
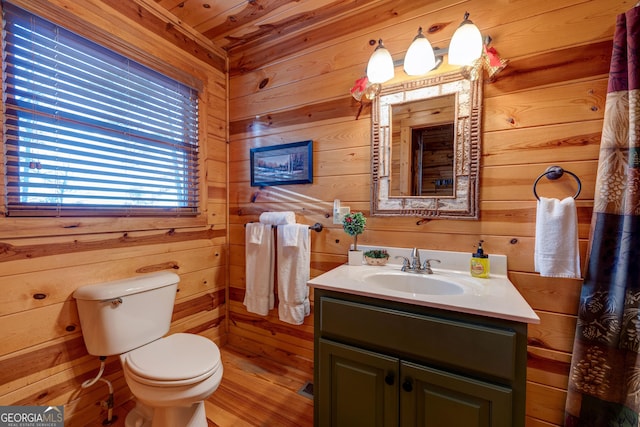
x=380, y=66
x=466, y=43
x=420, y=58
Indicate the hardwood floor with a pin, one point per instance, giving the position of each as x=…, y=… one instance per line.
x=256, y=391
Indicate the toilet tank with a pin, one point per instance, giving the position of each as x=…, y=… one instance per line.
x=121, y=315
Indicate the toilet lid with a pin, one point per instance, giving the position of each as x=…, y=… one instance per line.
x=174, y=358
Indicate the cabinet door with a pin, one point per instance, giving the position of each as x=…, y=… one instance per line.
x=433, y=398
x=356, y=387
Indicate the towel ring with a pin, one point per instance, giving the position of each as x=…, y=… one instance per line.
x=553, y=173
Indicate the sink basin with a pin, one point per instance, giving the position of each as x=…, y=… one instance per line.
x=412, y=283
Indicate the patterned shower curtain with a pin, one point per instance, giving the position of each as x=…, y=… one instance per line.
x=604, y=380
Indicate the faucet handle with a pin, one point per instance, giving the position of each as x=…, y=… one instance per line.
x=405, y=262
x=427, y=265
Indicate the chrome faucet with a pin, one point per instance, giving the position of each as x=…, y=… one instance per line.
x=415, y=263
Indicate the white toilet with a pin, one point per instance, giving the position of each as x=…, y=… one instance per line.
x=169, y=376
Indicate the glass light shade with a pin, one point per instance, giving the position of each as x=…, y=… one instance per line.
x=420, y=58
x=466, y=44
x=380, y=66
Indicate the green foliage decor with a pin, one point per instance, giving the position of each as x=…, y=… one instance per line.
x=354, y=224
x=377, y=253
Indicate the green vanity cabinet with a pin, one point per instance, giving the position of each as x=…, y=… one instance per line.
x=385, y=363
x=362, y=389
x=431, y=397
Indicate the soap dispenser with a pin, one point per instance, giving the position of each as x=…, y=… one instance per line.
x=480, y=262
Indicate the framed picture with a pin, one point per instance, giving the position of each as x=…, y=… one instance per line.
x=282, y=164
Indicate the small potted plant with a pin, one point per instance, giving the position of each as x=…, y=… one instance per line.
x=354, y=224
x=376, y=256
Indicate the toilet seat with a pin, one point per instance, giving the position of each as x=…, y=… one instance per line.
x=175, y=360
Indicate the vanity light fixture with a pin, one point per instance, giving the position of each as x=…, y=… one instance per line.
x=466, y=44
x=380, y=66
x=465, y=49
x=420, y=58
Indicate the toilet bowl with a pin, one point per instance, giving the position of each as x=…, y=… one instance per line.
x=170, y=376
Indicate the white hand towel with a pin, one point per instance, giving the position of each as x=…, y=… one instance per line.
x=293, y=274
x=277, y=218
x=254, y=233
x=259, y=295
x=290, y=234
x=556, y=252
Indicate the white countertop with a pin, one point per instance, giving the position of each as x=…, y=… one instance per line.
x=493, y=297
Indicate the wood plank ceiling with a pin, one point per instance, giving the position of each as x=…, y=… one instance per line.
x=253, y=32
x=237, y=24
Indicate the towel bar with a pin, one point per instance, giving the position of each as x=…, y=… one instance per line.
x=553, y=173
x=315, y=227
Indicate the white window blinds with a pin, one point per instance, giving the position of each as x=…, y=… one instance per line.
x=90, y=132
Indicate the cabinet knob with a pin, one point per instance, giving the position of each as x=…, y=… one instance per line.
x=389, y=378
x=407, y=385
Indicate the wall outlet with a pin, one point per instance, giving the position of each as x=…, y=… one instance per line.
x=338, y=215
x=339, y=211
x=336, y=211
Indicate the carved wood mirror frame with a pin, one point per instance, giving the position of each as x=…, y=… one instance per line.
x=463, y=204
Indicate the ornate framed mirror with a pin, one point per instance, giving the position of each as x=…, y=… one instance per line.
x=425, y=155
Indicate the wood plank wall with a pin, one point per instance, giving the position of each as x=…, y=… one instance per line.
x=545, y=109
x=43, y=360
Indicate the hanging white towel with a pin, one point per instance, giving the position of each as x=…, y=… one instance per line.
x=293, y=273
x=556, y=252
x=290, y=234
x=254, y=233
x=277, y=218
x=259, y=295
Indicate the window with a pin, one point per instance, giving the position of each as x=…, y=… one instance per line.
x=88, y=131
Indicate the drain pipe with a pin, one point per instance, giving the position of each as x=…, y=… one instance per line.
x=110, y=418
